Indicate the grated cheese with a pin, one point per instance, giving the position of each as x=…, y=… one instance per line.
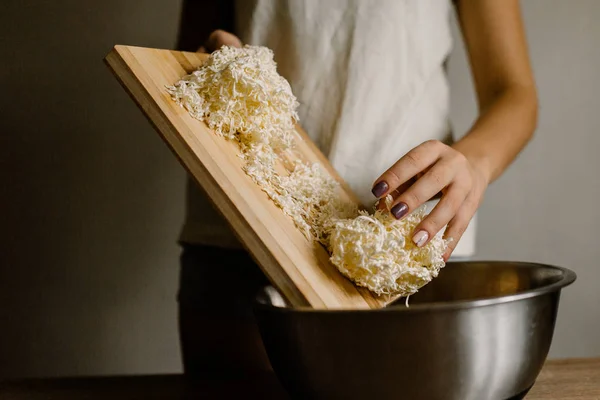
x=239, y=94
x=376, y=252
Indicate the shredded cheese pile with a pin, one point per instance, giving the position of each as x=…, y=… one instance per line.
x=240, y=95
x=376, y=251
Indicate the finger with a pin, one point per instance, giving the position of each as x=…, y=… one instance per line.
x=395, y=193
x=220, y=38
x=436, y=179
x=458, y=225
x=201, y=49
x=413, y=162
x=440, y=216
x=420, y=175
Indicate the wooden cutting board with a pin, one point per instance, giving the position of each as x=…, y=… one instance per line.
x=298, y=268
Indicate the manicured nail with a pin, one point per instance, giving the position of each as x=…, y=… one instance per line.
x=379, y=189
x=399, y=210
x=420, y=238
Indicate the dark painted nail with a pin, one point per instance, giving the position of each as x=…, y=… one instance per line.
x=399, y=210
x=379, y=189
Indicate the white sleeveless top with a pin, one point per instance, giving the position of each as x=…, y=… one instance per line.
x=370, y=79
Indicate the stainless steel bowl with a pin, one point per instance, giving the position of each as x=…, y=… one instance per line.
x=479, y=331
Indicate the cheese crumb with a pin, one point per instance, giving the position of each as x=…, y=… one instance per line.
x=239, y=94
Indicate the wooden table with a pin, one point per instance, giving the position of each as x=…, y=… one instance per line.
x=577, y=379
x=564, y=380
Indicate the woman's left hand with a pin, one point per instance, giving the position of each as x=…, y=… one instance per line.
x=437, y=168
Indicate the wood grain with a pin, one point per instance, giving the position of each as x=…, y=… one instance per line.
x=573, y=379
x=298, y=268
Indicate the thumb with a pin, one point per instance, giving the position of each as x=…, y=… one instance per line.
x=220, y=38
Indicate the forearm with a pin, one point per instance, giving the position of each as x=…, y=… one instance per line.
x=495, y=40
x=502, y=130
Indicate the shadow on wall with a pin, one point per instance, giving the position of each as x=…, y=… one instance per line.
x=91, y=201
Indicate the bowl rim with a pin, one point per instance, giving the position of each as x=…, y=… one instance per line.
x=567, y=278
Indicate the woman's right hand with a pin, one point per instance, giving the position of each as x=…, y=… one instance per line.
x=219, y=38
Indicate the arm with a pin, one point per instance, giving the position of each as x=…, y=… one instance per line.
x=495, y=41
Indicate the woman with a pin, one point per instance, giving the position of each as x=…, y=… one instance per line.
x=370, y=78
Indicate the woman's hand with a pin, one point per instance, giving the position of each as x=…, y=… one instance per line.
x=425, y=171
x=218, y=39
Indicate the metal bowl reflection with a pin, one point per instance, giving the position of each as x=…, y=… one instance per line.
x=481, y=330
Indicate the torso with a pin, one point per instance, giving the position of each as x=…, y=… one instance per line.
x=369, y=76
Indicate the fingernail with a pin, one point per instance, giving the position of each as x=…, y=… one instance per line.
x=379, y=189
x=420, y=238
x=399, y=210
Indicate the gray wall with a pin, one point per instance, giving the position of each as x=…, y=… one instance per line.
x=92, y=200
